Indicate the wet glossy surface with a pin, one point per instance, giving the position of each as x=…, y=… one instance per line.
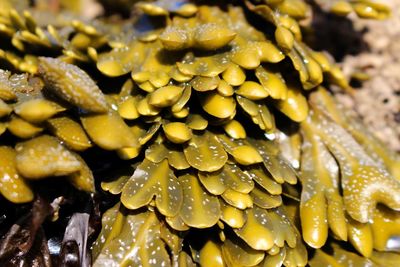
x=179, y=105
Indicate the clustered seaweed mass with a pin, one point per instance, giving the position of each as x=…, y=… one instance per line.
x=211, y=124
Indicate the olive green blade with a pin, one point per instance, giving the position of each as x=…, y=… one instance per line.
x=238, y=253
x=365, y=182
x=205, y=153
x=159, y=151
x=115, y=187
x=258, y=231
x=153, y=180
x=280, y=170
x=199, y=208
x=131, y=239
x=265, y=200
x=264, y=179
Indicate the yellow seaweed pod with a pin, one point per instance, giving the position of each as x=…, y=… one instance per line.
x=214, y=184
x=284, y=38
x=247, y=57
x=259, y=113
x=235, y=129
x=109, y=131
x=127, y=108
x=276, y=259
x=232, y=216
x=183, y=99
x=128, y=153
x=264, y=179
x=365, y=11
x=44, y=156
x=3, y=128
x=202, y=84
x=71, y=132
x=4, y=109
x=323, y=60
x=165, y=96
x=37, y=110
x=292, y=25
x=295, y=105
x=196, y=122
x=341, y=8
x=263, y=199
x=177, y=132
x=225, y=89
x=73, y=84
x=268, y=52
x=297, y=9
x=211, y=255
x=252, y=91
x=175, y=38
x=276, y=165
x=22, y=128
x=152, y=10
x=205, y=36
x=272, y=82
x=230, y=177
x=314, y=217
x=83, y=179
x=360, y=236
x=145, y=109
x=212, y=36
x=237, y=199
x=234, y=75
x=12, y=186
x=246, y=155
